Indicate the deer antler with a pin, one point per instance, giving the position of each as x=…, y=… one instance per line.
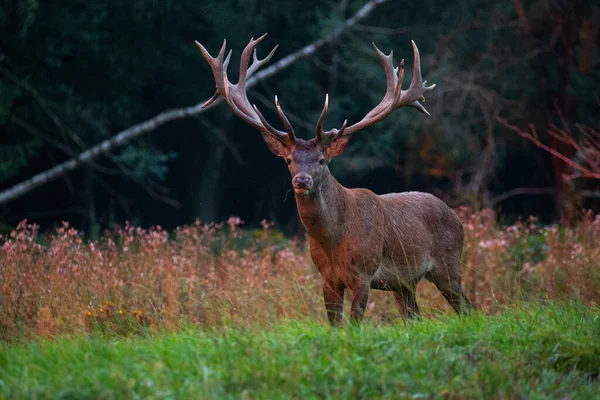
x=393, y=99
x=325, y=138
x=235, y=94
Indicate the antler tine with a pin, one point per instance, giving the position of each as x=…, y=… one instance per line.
x=395, y=97
x=388, y=66
x=223, y=74
x=212, y=99
x=212, y=61
x=326, y=137
x=340, y=132
x=322, y=118
x=280, y=135
x=400, y=72
x=216, y=64
x=393, y=86
x=236, y=96
x=226, y=62
x=256, y=63
x=245, y=60
x=286, y=122
x=417, y=87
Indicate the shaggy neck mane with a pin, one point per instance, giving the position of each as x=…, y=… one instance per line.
x=322, y=212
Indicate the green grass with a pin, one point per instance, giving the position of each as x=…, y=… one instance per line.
x=533, y=351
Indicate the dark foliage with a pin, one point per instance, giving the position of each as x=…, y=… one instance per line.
x=74, y=73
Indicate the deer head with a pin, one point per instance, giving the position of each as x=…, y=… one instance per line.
x=308, y=159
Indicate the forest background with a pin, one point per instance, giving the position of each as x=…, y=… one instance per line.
x=74, y=73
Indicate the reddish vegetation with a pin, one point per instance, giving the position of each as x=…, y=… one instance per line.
x=217, y=274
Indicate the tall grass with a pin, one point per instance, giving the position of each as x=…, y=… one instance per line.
x=136, y=279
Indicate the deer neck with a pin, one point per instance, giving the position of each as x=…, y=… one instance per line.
x=322, y=212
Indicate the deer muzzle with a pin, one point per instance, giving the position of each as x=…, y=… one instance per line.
x=302, y=183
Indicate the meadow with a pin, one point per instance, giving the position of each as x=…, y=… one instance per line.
x=546, y=351
x=218, y=311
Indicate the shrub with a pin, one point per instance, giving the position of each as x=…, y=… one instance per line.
x=135, y=279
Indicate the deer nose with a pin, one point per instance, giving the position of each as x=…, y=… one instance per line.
x=302, y=181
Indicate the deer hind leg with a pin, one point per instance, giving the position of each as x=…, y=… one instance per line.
x=446, y=276
x=333, y=295
x=406, y=300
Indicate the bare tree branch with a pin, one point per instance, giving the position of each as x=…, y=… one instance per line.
x=147, y=185
x=588, y=149
x=521, y=191
x=538, y=191
x=122, y=137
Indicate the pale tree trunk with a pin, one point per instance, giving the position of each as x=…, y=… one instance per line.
x=135, y=131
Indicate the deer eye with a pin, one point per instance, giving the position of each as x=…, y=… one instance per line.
x=322, y=161
x=288, y=160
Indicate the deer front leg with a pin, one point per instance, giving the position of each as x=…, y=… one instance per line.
x=334, y=302
x=360, y=297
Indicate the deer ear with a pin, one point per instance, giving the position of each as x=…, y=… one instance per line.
x=275, y=145
x=337, y=147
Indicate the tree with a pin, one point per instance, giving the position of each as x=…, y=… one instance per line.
x=130, y=155
x=90, y=70
x=561, y=35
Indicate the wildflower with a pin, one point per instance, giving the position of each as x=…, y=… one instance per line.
x=577, y=251
x=527, y=268
x=266, y=224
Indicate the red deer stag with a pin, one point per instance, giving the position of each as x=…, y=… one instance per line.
x=358, y=240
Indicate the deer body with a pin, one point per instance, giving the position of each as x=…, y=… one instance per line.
x=358, y=240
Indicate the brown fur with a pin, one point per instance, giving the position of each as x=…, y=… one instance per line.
x=360, y=240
